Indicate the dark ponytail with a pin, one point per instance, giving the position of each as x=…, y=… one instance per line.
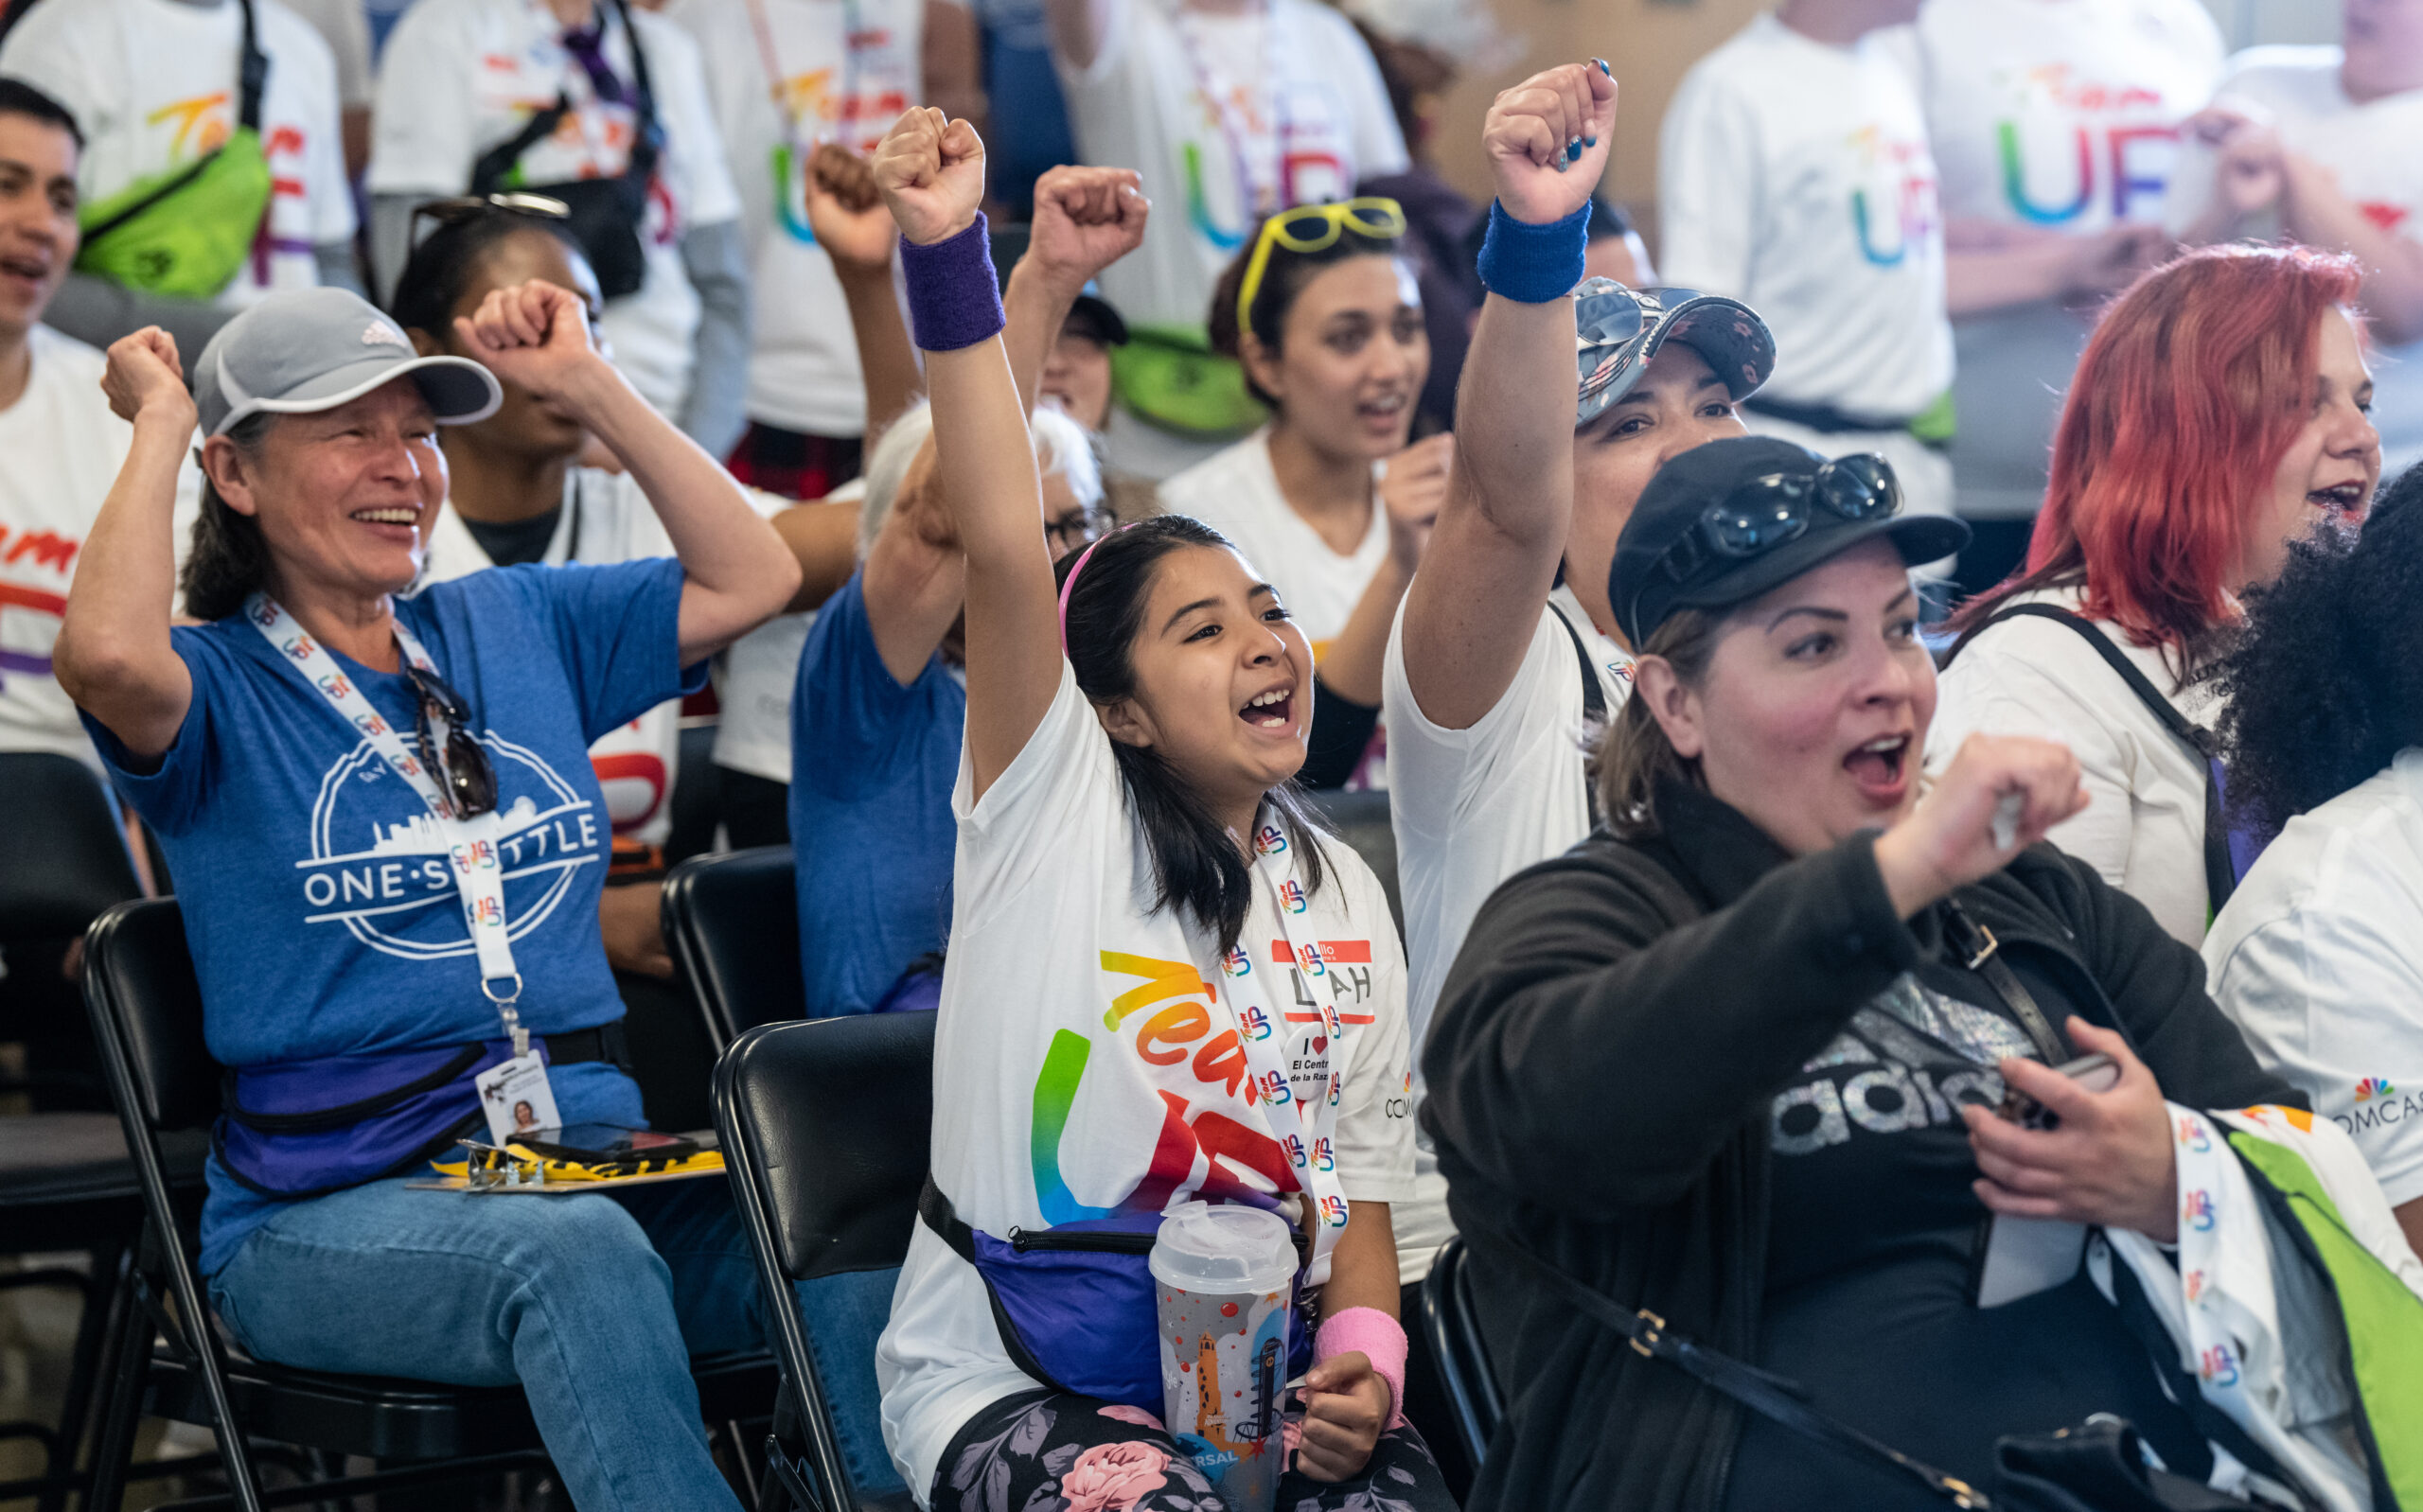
x=229, y=560
x=1196, y=865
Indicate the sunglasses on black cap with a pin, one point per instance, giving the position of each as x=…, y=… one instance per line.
x=448, y=747
x=1766, y=512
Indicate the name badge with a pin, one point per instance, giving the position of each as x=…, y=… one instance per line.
x=516, y=1098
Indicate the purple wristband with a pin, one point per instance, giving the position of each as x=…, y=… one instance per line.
x=954, y=300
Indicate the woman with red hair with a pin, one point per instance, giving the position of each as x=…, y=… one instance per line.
x=2219, y=412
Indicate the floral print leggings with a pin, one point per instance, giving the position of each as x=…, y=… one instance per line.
x=1047, y=1451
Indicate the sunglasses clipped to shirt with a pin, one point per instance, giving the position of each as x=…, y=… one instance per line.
x=1766, y=512
x=1311, y=228
x=442, y=730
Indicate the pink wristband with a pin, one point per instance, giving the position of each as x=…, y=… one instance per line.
x=1380, y=1339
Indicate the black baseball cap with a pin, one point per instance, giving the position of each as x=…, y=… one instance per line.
x=1095, y=319
x=1651, y=578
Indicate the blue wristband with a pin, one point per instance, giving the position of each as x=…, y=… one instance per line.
x=954, y=300
x=1534, y=264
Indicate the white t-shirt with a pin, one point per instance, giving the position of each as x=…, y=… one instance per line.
x=344, y=26
x=2371, y=149
x=1181, y=96
x=63, y=448
x=153, y=85
x=848, y=69
x=1069, y=1000
x=461, y=77
x=2318, y=956
x=2056, y=115
x=606, y=520
x=1471, y=807
x=760, y=670
x=1795, y=176
x=1237, y=494
x=2143, y=829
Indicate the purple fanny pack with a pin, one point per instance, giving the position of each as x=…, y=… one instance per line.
x=303, y=1129
x=1074, y=1303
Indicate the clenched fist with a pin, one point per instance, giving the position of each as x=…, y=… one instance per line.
x=1547, y=140
x=931, y=172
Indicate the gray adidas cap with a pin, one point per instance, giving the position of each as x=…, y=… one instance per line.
x=313, y=349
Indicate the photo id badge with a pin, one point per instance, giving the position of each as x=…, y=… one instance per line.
x=517, y=1099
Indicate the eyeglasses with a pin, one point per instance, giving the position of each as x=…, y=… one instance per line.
x=1311, y=228
x=463, y=208
x=1766, y=512
x=448, y=749
x=1078, y=527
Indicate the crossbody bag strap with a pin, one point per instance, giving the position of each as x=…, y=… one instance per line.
x=251, y=82
x=2221, y=874
x=1982, y=953
x=1770, y=1396
x=642, y=162
x=1594, y=703
x=497, y=164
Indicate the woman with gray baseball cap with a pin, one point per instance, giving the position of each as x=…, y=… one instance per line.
x=403, y=844
x=1505, y=649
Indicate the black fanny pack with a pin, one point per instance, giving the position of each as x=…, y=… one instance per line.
x=606, y=213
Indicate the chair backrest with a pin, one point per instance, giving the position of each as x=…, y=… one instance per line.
x=1361, y=819
x=827, y=1125
x=145, y=1000
x=62, y=856
x=1453, y=1331
x=731, y=921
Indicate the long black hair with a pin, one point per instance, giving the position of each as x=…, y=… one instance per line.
x=1197, y=865
x=444, y=264
x=229, y=559
x=2325, y=683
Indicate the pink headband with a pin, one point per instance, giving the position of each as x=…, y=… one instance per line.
x=1069, y=584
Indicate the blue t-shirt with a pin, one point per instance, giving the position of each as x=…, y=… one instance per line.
x=319, y=925
x=873, y=764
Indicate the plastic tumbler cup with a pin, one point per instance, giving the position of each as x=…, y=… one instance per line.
x=1225, y=1284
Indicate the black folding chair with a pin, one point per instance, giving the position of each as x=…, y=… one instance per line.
x=826, y=1125
x=67, y=1182
x=1361, y=819
x=146, y=1008
x=731, y=921
x=1453, y=1331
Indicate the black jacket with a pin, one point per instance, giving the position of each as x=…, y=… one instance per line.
x=1601, y=1071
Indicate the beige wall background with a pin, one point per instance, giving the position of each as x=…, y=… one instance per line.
x=1651, y=43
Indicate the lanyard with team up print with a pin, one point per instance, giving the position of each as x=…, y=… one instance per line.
x=1286, y=1077
x=472, y=843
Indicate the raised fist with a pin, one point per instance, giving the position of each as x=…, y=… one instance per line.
x=845, y=211
x=1085, y=218
x=144, y=372
x=1547, y=140
x=534, y=334
x=931, y=172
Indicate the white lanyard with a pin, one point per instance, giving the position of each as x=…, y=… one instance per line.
x=1307, y=1137
x=471, y=844
x=1251, y=201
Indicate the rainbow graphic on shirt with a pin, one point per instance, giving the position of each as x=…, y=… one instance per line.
x=2110, y=155
x=2371, y=1087
x=1904, y=172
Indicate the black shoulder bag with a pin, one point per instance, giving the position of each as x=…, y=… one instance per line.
x=605, y=213
x=2221, y=875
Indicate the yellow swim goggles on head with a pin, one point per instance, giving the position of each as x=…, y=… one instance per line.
x=1311, y=228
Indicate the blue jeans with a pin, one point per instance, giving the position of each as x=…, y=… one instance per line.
x=594, y=1303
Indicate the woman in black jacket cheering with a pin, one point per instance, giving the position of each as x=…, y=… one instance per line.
x=1735, y=1059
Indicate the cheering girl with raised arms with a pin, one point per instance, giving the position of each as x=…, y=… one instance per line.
x=1163, y=985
